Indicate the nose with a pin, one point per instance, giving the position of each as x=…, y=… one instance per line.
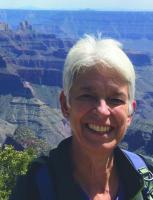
x=103, y=108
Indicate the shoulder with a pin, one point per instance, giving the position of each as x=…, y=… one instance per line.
x=148, y=160
x=132, y=161
x=140, y=168
x=61, y=153
x=138, y=160
x=42, y=170
x=26, y=186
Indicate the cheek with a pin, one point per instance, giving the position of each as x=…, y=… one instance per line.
x=75, y=116
x=121, y=116
x=79, y=109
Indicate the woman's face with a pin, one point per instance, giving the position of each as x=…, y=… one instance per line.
x=98, y=111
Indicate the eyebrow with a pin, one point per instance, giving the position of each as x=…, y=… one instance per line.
x=88, y=89
x=116, y=93
x=121, y=94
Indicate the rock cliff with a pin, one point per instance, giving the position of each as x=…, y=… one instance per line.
x=31, y=67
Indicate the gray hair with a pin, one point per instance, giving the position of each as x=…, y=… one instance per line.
x=90, y=51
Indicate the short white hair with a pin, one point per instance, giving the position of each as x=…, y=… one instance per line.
x=90, y=51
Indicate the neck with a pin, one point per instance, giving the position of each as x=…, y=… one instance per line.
x=95, y=173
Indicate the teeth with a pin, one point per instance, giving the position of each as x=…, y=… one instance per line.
x=99, y=128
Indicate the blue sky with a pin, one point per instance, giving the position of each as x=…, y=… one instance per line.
x=79, y=4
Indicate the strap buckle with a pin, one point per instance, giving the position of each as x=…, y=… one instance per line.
x=147, y=174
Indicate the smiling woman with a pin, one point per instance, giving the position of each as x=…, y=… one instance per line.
x=98, y=101
x=98, y=117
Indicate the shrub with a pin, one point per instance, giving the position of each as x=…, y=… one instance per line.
x=12, y=164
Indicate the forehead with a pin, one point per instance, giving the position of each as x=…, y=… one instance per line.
x=100, y=80
x=99, y=73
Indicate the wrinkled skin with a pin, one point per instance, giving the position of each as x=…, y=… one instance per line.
x=98, y=110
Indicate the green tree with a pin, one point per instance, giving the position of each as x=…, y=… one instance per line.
x=26, y=137
x=12, y=164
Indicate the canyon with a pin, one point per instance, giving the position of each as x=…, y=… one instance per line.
x=31, y=68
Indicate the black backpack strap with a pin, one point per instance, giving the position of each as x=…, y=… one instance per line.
x=148, y=161
x=25, y=187
x=45, y=183
x=140, y=164
x=61, y=169
x=54, y=175
x=135, y=160
x=148, y=177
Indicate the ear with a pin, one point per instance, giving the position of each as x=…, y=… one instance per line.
x=64, y=106
x=134, y=105
x=130, y=117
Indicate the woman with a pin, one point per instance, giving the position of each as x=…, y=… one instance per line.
x=98, y=101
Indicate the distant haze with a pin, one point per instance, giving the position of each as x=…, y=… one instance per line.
x=137, y=5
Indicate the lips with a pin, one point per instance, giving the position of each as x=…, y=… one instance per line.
x=100, y=129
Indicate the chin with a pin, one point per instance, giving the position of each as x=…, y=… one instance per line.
x=98, y=146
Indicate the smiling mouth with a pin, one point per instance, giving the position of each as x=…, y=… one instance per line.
x=100, y=129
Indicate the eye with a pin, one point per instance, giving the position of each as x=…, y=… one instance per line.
x=88, y=97
x=116, y=101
